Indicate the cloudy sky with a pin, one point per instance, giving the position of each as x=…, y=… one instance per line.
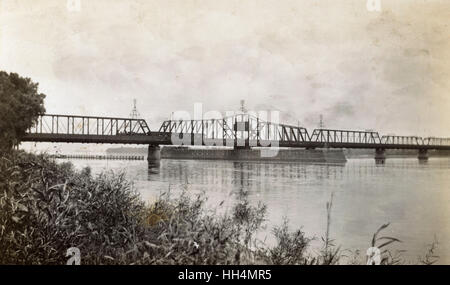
x=387, y=70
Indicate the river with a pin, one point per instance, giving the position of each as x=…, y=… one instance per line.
x=414, y=198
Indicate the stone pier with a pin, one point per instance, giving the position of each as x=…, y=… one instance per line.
x=423, y=155
x=380, y=156
x=154, y=155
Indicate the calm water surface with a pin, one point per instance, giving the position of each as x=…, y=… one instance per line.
x=413, y=197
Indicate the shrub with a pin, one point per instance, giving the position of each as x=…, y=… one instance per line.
x=291, y=247
x=46, y=208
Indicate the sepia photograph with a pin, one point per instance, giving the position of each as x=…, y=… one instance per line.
x=250, y=133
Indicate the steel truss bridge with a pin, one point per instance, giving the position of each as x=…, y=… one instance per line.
x=239, y=131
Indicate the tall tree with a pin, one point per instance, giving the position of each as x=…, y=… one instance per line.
x=20, y=105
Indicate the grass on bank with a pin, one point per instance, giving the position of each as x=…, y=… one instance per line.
x=46, y=208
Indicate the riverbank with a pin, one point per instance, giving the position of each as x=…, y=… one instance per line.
x=46, y=208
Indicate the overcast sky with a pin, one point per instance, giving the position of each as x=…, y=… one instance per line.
x=386, y=70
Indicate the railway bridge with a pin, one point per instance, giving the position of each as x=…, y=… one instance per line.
x=241, y=131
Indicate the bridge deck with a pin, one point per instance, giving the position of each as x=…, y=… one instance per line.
x=160, y=138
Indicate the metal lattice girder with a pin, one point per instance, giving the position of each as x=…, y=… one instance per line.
x=87, y=125
x=406, y=140
x=344, y=136
x=436, y=141
x=241, y=126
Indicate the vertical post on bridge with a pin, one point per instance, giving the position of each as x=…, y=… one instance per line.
x=192, y=133
x=203, y=133
x=223, y=133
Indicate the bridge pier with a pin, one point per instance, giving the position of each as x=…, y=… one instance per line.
x=423, y=155
x=380, y=156
x=154, y=155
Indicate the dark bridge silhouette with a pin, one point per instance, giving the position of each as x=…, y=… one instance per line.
x=239, y=131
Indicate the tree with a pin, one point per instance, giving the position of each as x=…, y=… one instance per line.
x=20, y=105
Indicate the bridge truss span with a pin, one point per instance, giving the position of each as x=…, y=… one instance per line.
x=436, y=141
x=87, y=125
x=402, y=140
x=330, y=136
x=241, y=127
